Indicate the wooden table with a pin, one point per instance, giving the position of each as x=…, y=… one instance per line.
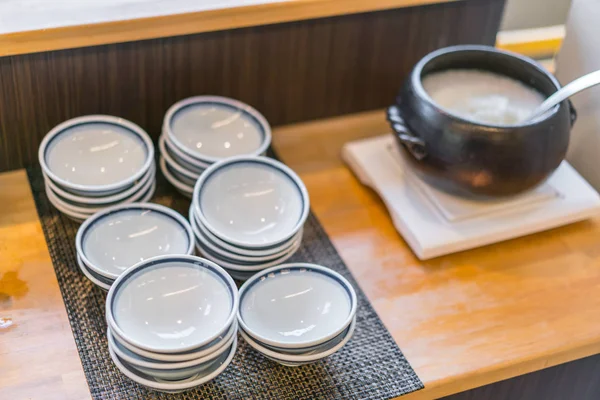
x=463, y=320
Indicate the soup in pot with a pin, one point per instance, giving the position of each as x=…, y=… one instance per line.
x=481, y=96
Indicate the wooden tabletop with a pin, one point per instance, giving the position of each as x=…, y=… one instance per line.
x=463, y=320
x=29, y=26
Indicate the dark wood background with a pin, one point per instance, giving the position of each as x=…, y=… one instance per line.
x=290, y=72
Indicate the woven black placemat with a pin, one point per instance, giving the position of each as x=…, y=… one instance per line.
x=370, y=366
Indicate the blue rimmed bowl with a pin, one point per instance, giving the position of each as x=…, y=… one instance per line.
x=119, y=237
x=296, y=307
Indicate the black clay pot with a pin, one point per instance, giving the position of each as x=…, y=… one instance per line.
x=467, y=158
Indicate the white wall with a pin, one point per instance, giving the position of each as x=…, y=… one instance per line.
x=523, y=14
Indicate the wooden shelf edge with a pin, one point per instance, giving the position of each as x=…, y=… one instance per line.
x=535, y=42
x=479, y=378
x=67, y=37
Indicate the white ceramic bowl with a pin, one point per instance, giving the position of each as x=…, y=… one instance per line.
x=81, y=217
x=113, y=240
x=88, y=274
x=182, y=158
x=166, y=370
x=106, y=200
x=175, y=386
x=76, y=216
x=215, y=345
x=296, y=305
x=242, y=261
x=94, y=274
x=240, y=275
x=211, y=247
x=251, y=202
x=212, y=128
x=310, y=350
x=182, y=187
x=293, y=360
x=94, y=208
x=238, y=266
x=172, y=304
x=279, y=248
x=181, y=178
x=96, y=155
x=181, y=170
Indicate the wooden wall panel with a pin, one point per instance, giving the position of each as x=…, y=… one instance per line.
x=290, y=72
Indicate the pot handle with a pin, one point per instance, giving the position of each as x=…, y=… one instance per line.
x=415, y=145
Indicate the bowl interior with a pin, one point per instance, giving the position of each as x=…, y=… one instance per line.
x=251, y=202
x=155, y=301
x=120, y=237
x=296, y=306
x=213, y=128
x=98, y=154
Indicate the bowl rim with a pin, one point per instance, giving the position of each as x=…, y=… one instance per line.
x=174, y=164
x=185, y=258
x=175, y=385
x=83, y=229
x=240, y=276
x=137, y=196
x=271, y=163
x=98, y=277
x=169, y=145
x=108, y=119
x=172, y=180
x=70, y=213
x=180, y=357
x=416, y=81
x=90, y=277
x=201, y=237
x=102, y=199
x=165, y=365
x=246, y=108
x=343, y=282
x=280, y=247
x=298, y=358
x=248, y=268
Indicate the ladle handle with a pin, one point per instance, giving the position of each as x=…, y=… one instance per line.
x=579, y=84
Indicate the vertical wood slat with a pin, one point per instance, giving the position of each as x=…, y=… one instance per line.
x=290, y=72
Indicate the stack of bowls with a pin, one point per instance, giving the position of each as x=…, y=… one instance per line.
x=115, y=239
x=171, y=322
x=97, y=161
x=297, y=314
x=248, y=214
x=202, y=130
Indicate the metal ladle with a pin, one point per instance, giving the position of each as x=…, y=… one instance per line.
x=576, y=86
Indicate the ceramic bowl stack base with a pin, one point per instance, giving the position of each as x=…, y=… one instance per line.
x=94, y=162
x=171, y=322
x=118, y=237
x=202, y=130
x=248, y=214
x=297, y=314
